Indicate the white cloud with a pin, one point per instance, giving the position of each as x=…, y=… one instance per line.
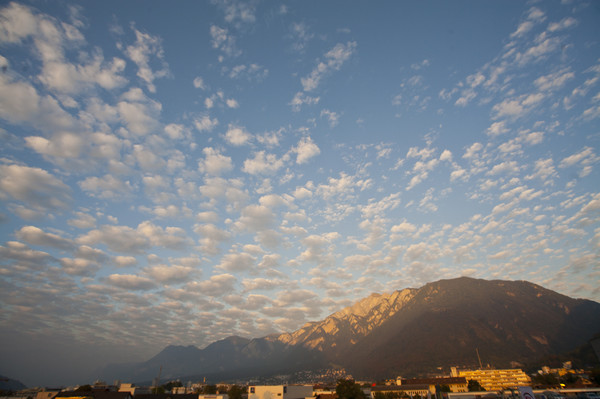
x=262, y=163
x=302, y=193
x=61, y=147
x=138, y=112
x=565, y=23
x=222, y=40
x=317, y=247
x=255, y=218
x=237, y=262
x=554, y=81
x=212, y=237
x=538, y=51
x=237, y=136
x=306, y=149
x=472, y=151
x=131, y=282
x=144, y=48
x=124, y=239
x=34, y=187
x=446, y=156
x=107, y=186
x=523, y=28
x=216, y=286
x=508, y=167
x=331, y=116
x=289, y=297
x=423, y=153
x=497, y=128
x=238, y=12
x=125, y=261
x=404, y=227
x=301, y=35
x=517, y=107
x=421, y=172
x=199, y=83
x=82, y=220
x=300, y=99
x=586, y=156
x=78, y=266
x=544, y=170
x=36, y=236
x=50, y=38
x=169, y=274
x=231, y=103
x=214, y=163
x=17, y=23
x=334, y=59
x=20, y=103
x=175, y=131
x=261, y=283
x=205, y=123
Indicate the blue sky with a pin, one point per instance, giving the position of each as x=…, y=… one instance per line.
x=179, y=173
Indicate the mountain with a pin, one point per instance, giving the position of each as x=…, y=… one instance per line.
x=230, y=358
x=340, y=331
x=10, y=385
x=407, y=332
x=446, y=321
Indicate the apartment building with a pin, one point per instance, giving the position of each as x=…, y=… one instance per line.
x=495, y=379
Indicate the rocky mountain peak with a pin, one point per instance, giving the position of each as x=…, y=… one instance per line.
x=350, y=324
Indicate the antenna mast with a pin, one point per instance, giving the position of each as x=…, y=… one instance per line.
x=158, y=380
x=478, y=358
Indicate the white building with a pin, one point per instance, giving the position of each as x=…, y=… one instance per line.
x=280, y=391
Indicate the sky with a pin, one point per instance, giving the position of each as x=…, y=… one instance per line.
x=174, y=173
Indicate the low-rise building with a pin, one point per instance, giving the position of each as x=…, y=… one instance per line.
x=280, y=391
x=93, y=394
x=47, y=394
x=455, y=384
x=213, y=396
x=410, y=389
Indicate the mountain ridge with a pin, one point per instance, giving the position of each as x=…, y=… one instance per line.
x=408, y=331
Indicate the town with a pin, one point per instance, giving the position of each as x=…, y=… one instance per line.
x=485, y=383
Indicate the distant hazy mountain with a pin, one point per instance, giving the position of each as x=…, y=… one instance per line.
x=407, y=332
x=8, y=384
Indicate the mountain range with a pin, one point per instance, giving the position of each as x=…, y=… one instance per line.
x=413, y=331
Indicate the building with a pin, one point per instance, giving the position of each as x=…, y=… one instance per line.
x=280, y=391
x=47, y=394
x=455, y=384
x=495, y=379
x=94, y=394
x=167, y=396
x=133, y=389
x=411, y=390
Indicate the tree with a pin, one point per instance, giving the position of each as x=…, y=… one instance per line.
x=235, y=392
x=210, y=390
x=158, y=390
x=84, y=388
x=222, y=389
x=595, y=376
x=443, y=388
x=172, y=384
x=348, y=389
x=475, y=386
x=545, y=381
